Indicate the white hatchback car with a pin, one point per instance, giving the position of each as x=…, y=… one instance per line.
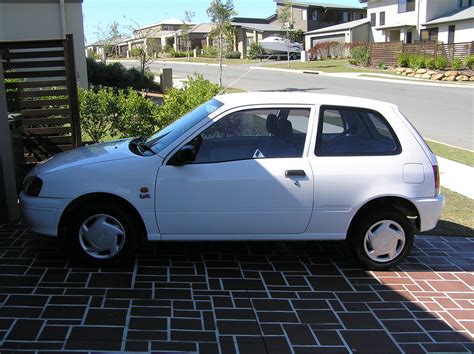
x=253, y=166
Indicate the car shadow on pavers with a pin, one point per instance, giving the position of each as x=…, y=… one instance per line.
x=235, y=297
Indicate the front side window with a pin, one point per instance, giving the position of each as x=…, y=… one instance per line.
x=406, y=6
x=373, y=19
x=254, y=134
x=382, y=18
x=429, y=35
x=346, y=131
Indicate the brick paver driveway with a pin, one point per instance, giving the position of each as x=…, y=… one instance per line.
x=210, y=297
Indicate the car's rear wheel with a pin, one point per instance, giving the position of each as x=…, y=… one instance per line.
x=102, y=234
x=381, y=239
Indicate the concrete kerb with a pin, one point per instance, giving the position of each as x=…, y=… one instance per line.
x=359, y=76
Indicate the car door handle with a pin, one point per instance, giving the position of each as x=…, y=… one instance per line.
x=289, y=173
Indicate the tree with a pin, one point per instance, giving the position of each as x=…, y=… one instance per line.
x=107, y=39
x=186, y=28
x=220, y=14
x=285, y=17
x=142, y=53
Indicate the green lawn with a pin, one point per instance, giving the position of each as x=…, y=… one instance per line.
x=457, y=218
x=328, y=66
x=452, y=153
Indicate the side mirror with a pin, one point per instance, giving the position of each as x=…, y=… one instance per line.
x=187, y=154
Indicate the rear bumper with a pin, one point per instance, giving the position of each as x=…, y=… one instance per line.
x=430, y=210
x=42, y=214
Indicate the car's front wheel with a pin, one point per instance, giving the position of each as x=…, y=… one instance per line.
x=381, y=239
x=101, y=234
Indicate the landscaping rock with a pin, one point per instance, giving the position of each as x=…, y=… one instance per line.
x=462, y=78
x=400, y=70
x=451, y=73
x=472, y=78
x=432, y=72
x=426, y=76
x=421, y=71
x=418, y=76
x=437, y=76
x=411, y=74
x=450, y=78
x=409, y=71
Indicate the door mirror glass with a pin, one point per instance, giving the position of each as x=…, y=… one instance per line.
x=187, y=154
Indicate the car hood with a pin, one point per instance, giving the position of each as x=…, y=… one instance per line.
x=92, y=154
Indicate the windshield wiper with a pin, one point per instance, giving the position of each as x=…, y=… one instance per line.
x=142, y=146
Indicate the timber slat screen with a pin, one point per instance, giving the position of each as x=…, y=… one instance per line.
x=40, y=81
x=388, y=52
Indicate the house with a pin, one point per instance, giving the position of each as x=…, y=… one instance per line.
x=45, y=19
x=250, y=30
x=98, y=47
x=349, y=32
x=198, y=37
x=154, y=38
x=310, y=16
x=410, y=21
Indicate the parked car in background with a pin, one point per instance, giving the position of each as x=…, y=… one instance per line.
x=252, y=166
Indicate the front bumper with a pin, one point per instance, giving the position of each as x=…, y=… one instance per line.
x=42, y=214
x=430, y=210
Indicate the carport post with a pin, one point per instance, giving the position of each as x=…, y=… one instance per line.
x=8, y=197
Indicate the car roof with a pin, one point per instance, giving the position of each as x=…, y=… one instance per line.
x=254, y=98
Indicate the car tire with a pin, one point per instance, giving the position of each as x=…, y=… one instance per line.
x=381, y=239
x=102, y=233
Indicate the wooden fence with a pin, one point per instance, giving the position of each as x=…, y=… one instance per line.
x=40, y=83
x=389, y=51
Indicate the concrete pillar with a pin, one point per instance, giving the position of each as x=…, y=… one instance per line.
x=304, y=56
x=195, y=52
x=8, y=196
x=166, y=79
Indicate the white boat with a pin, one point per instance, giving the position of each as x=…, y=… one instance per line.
x=278, y=45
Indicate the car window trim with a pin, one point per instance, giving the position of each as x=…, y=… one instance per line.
x=317, y=148
x=225, y=113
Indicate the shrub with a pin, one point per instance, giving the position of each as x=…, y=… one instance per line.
x=441, y=63
x=195, y=92
x=403, y=60
x=255, y=51
x=382, y=65
x=137, y=115
x=116, y=75
x=469, y=62
x=430, y=63
x=232, y=55
x=209, y=52
x=361, y=55
x=457, y=64
x=417, y=61
x=98, y=111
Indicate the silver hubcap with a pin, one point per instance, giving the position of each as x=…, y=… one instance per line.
x=102, y=236
x=384, y=241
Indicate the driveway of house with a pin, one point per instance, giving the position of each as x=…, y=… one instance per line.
x=439, y=113
x=243, y=297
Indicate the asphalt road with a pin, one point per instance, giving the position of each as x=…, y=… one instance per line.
x=443, y=114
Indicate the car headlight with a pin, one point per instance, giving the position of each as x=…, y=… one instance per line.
x=32, y=186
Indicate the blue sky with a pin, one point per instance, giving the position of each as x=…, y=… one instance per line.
x=103, y=12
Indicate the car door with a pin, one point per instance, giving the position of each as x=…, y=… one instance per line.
x=251, y=175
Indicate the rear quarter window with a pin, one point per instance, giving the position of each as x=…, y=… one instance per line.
x=351, y=131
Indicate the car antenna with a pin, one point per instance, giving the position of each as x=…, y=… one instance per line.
x=245, y=74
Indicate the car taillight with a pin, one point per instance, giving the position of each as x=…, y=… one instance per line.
x=436, y=179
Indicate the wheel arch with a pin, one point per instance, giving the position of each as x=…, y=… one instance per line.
x=405, y=206
x=100, y=196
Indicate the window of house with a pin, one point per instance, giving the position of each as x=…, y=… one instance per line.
x=406, y=6
x=361, y=16
x=314, y=15
x=451, y=31
x=304, y=15
x=382, y=18
x=346, y=131
x=429, y=35
x=409, y=37
x=345, y=16
x=373, y=19
x=254, y=134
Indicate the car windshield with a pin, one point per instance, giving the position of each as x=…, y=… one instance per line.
x=166, y=136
